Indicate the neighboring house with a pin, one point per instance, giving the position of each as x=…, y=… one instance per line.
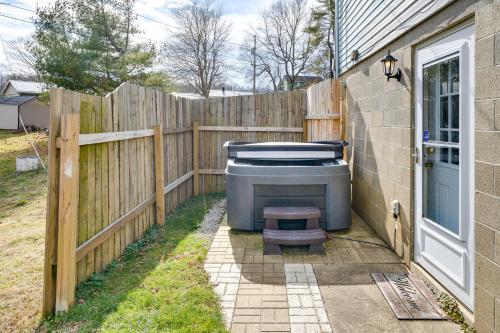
x=22, y=88
x=430, y=141
x=214, y=93
x=32, y=112
x=300, y=82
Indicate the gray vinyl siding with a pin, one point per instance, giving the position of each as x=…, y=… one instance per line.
x=369, y=25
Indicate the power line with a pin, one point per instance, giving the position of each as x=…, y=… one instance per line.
x=18, y=7
x=140, y=15
x=155, y=20
x=15, y=18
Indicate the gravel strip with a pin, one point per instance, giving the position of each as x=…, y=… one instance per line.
x=212, y=219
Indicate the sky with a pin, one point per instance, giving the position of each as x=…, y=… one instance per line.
x=242, y=14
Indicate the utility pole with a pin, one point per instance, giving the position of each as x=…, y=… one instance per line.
x=254, y=50
x=337, y=25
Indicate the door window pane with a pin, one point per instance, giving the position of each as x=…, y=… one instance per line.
x=455, y=75
x=444, y=136
x=444, y=112
x=441, y=189
x=455, y=156
x=455, y=136
x=430, y=88
x=444, y=69
x=444, y=155
x=455, y=114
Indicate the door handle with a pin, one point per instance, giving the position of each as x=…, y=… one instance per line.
x=415, y=154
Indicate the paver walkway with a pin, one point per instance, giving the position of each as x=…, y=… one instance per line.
x=298, y=292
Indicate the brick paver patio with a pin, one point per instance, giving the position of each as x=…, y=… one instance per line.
x=298, y=292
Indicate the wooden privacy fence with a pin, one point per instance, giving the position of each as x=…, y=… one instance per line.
x=326, y=111
x=69, y=254
x=116, y=165
x=119, y=163
x=212, y=158
x=256, y=118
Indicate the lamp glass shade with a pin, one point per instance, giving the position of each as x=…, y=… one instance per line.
x=388, y=64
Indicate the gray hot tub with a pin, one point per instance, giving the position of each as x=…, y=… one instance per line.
x=287, y=174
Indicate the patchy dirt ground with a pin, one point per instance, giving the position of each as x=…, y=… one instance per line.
x=22, y=228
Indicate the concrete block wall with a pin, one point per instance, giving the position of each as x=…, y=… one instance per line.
x=487, y=168
x=380, y=130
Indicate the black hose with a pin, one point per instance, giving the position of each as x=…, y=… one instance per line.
x=360, y=241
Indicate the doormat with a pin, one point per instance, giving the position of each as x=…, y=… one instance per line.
x=408, y=296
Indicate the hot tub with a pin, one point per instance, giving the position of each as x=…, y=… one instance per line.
x=287, y=174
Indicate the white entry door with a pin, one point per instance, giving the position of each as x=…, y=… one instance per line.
x=444, y=141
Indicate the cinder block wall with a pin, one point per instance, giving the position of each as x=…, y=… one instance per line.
x=380, y=136
x=487, y=169
x=380, y=130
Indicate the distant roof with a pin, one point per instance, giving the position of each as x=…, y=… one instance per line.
x=26, y=87
x=15, y=100
x=304, y=78
x=214, y=93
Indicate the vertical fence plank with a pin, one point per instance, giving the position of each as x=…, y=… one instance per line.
x=49, y=278
x=97, y=223
x=305, y=132
x=160, y=203
x=68, y=212
x=196, y=159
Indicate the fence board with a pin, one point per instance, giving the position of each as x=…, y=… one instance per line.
x=49, y=278
x=68, y=212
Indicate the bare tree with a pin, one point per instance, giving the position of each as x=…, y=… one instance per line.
x=283, y=45
x=195, y=52
x=24, y=62
x=268, y=69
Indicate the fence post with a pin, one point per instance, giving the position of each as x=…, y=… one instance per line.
x=305, y=132
x=68, y=212
x=160, y=197
x=196, y=157
x=49, y=280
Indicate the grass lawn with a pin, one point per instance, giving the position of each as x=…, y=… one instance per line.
x=158, y=285
x=22, y=231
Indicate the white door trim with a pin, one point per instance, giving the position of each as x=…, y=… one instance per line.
x=459, y=42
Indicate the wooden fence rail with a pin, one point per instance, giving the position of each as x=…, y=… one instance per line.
x=119, y=163
x=228, y=133
x=68, y=253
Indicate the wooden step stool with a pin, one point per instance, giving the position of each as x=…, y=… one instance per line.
x=274, y=237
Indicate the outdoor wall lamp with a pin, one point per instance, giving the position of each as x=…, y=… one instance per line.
x=388, y=63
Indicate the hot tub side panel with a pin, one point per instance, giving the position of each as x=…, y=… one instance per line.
x=339, y=201
x=239, y=192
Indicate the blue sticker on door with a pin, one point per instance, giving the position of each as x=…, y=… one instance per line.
x=426, y=135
